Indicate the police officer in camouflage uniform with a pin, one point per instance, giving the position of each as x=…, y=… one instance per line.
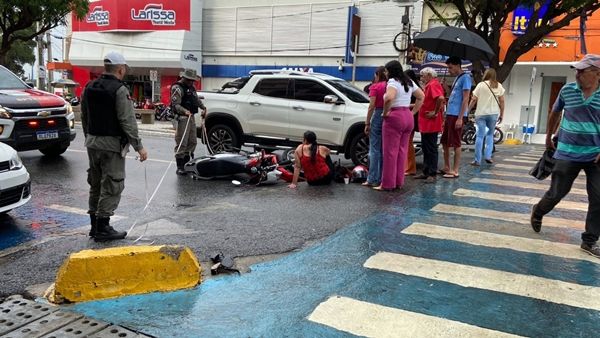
x=185, y=103
x=109, y=127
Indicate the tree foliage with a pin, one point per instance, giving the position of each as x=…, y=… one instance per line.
x=20, y=53
x=23, y=20
x=487, y=18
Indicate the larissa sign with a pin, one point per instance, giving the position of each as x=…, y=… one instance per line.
x=135, y=15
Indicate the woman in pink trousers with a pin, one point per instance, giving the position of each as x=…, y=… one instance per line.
x=398, y=123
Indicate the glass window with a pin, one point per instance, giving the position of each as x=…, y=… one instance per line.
x=272, y=88
x=10, y=81
x=308, y=90
x=350, y=91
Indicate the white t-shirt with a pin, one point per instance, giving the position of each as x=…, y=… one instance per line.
x=402, y=98
x=486, y=103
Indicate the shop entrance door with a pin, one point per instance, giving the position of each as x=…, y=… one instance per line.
x=551, y=86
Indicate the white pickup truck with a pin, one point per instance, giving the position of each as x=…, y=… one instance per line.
x=275, y=108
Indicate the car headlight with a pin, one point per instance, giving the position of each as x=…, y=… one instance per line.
x=15, y=162
x=4, y=114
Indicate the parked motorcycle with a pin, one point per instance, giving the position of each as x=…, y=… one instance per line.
x=257, y=168
x=163, y=112
x=469, y=134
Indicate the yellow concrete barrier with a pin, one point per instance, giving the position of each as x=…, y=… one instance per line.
x=115, y=272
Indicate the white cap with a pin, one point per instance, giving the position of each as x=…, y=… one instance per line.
x=114, y=58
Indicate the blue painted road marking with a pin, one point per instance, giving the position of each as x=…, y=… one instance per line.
x=277, y=297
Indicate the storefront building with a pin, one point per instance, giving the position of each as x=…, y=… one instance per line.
x=224, y=40
x=157, y=38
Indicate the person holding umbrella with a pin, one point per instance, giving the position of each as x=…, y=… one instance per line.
x=458, y=105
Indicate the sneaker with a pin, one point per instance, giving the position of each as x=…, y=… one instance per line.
x=536, y=222
x=592, y=249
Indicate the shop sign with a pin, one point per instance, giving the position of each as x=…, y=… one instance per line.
x=98, y=16
x=523, y=13
x=190, y=57
x=135, y=15
x=155, y=14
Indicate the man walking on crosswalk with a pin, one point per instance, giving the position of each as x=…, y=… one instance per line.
x=578, y=148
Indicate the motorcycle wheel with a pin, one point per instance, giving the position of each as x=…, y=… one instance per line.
x=498, y=135
x=469, y=137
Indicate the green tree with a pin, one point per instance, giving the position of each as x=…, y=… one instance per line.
x=488, y=17
x=20, y=53
x=23, y=20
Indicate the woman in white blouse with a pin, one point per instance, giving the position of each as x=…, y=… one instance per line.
x=489, y=97
x=398, y=124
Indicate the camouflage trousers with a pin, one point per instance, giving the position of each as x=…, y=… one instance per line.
x=186, y=136
x=106, y=177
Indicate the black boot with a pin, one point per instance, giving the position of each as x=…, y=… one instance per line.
x=104, y=232
x=93, y=223
x=180, y=166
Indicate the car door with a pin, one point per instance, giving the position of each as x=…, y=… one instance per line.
x=308, y=111
x=267, y=108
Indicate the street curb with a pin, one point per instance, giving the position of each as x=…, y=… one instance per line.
x=121, y=271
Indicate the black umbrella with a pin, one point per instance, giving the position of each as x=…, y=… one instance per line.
x=453, y=41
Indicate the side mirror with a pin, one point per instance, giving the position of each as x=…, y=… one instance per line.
x=74, y=101
x=332, y=99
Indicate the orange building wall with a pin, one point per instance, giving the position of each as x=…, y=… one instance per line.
x=567, y=38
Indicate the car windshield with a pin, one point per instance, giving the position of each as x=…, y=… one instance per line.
x=350, y=91
x=9, y=80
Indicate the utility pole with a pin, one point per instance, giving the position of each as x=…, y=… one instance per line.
x=51, y=72
x=41, y=70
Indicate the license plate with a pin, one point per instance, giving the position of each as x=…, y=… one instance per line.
x=47, y=135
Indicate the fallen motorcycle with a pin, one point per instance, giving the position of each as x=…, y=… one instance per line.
x=257, y=168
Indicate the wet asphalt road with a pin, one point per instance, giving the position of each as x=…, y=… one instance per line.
x=207, y=216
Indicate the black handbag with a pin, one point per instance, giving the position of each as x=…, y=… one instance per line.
x=543, y=168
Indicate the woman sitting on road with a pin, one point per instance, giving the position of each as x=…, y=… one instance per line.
x=314, y=160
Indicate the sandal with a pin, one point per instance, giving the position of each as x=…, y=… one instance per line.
x=489, y=160
x=475, y=164
x=380, y=188
x=451, y=175
x=442, y=172
x=367, y=184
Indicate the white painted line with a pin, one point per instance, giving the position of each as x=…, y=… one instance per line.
x=372, y=320
x=513, y=166
x=490, y=196
x=506, y=216
x=78, y=211
x=517, y=160
x=530, y=157
x=492, y=240
x=550, y=290
x=128, y=157
x=524, y=185
x=578, y=181
x=533, y=153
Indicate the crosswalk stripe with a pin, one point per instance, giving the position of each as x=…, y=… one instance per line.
x=505, y=216
x=490, y=196
x=550, y=290
x=533, y=153
x=531, y=157
x=518, y=160
x=78, y=211
x=580, y=181
x=492, y=240
x=372, y=320
x=523, y=185
x=513, y=166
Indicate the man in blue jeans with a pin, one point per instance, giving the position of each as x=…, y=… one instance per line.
x=578, y=148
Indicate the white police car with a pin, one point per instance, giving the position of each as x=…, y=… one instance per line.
x=15, y=183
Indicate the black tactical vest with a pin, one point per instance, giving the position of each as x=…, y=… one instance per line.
x=101, y=97
x=189, y=100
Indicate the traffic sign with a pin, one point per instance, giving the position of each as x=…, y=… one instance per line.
x=153, y=75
